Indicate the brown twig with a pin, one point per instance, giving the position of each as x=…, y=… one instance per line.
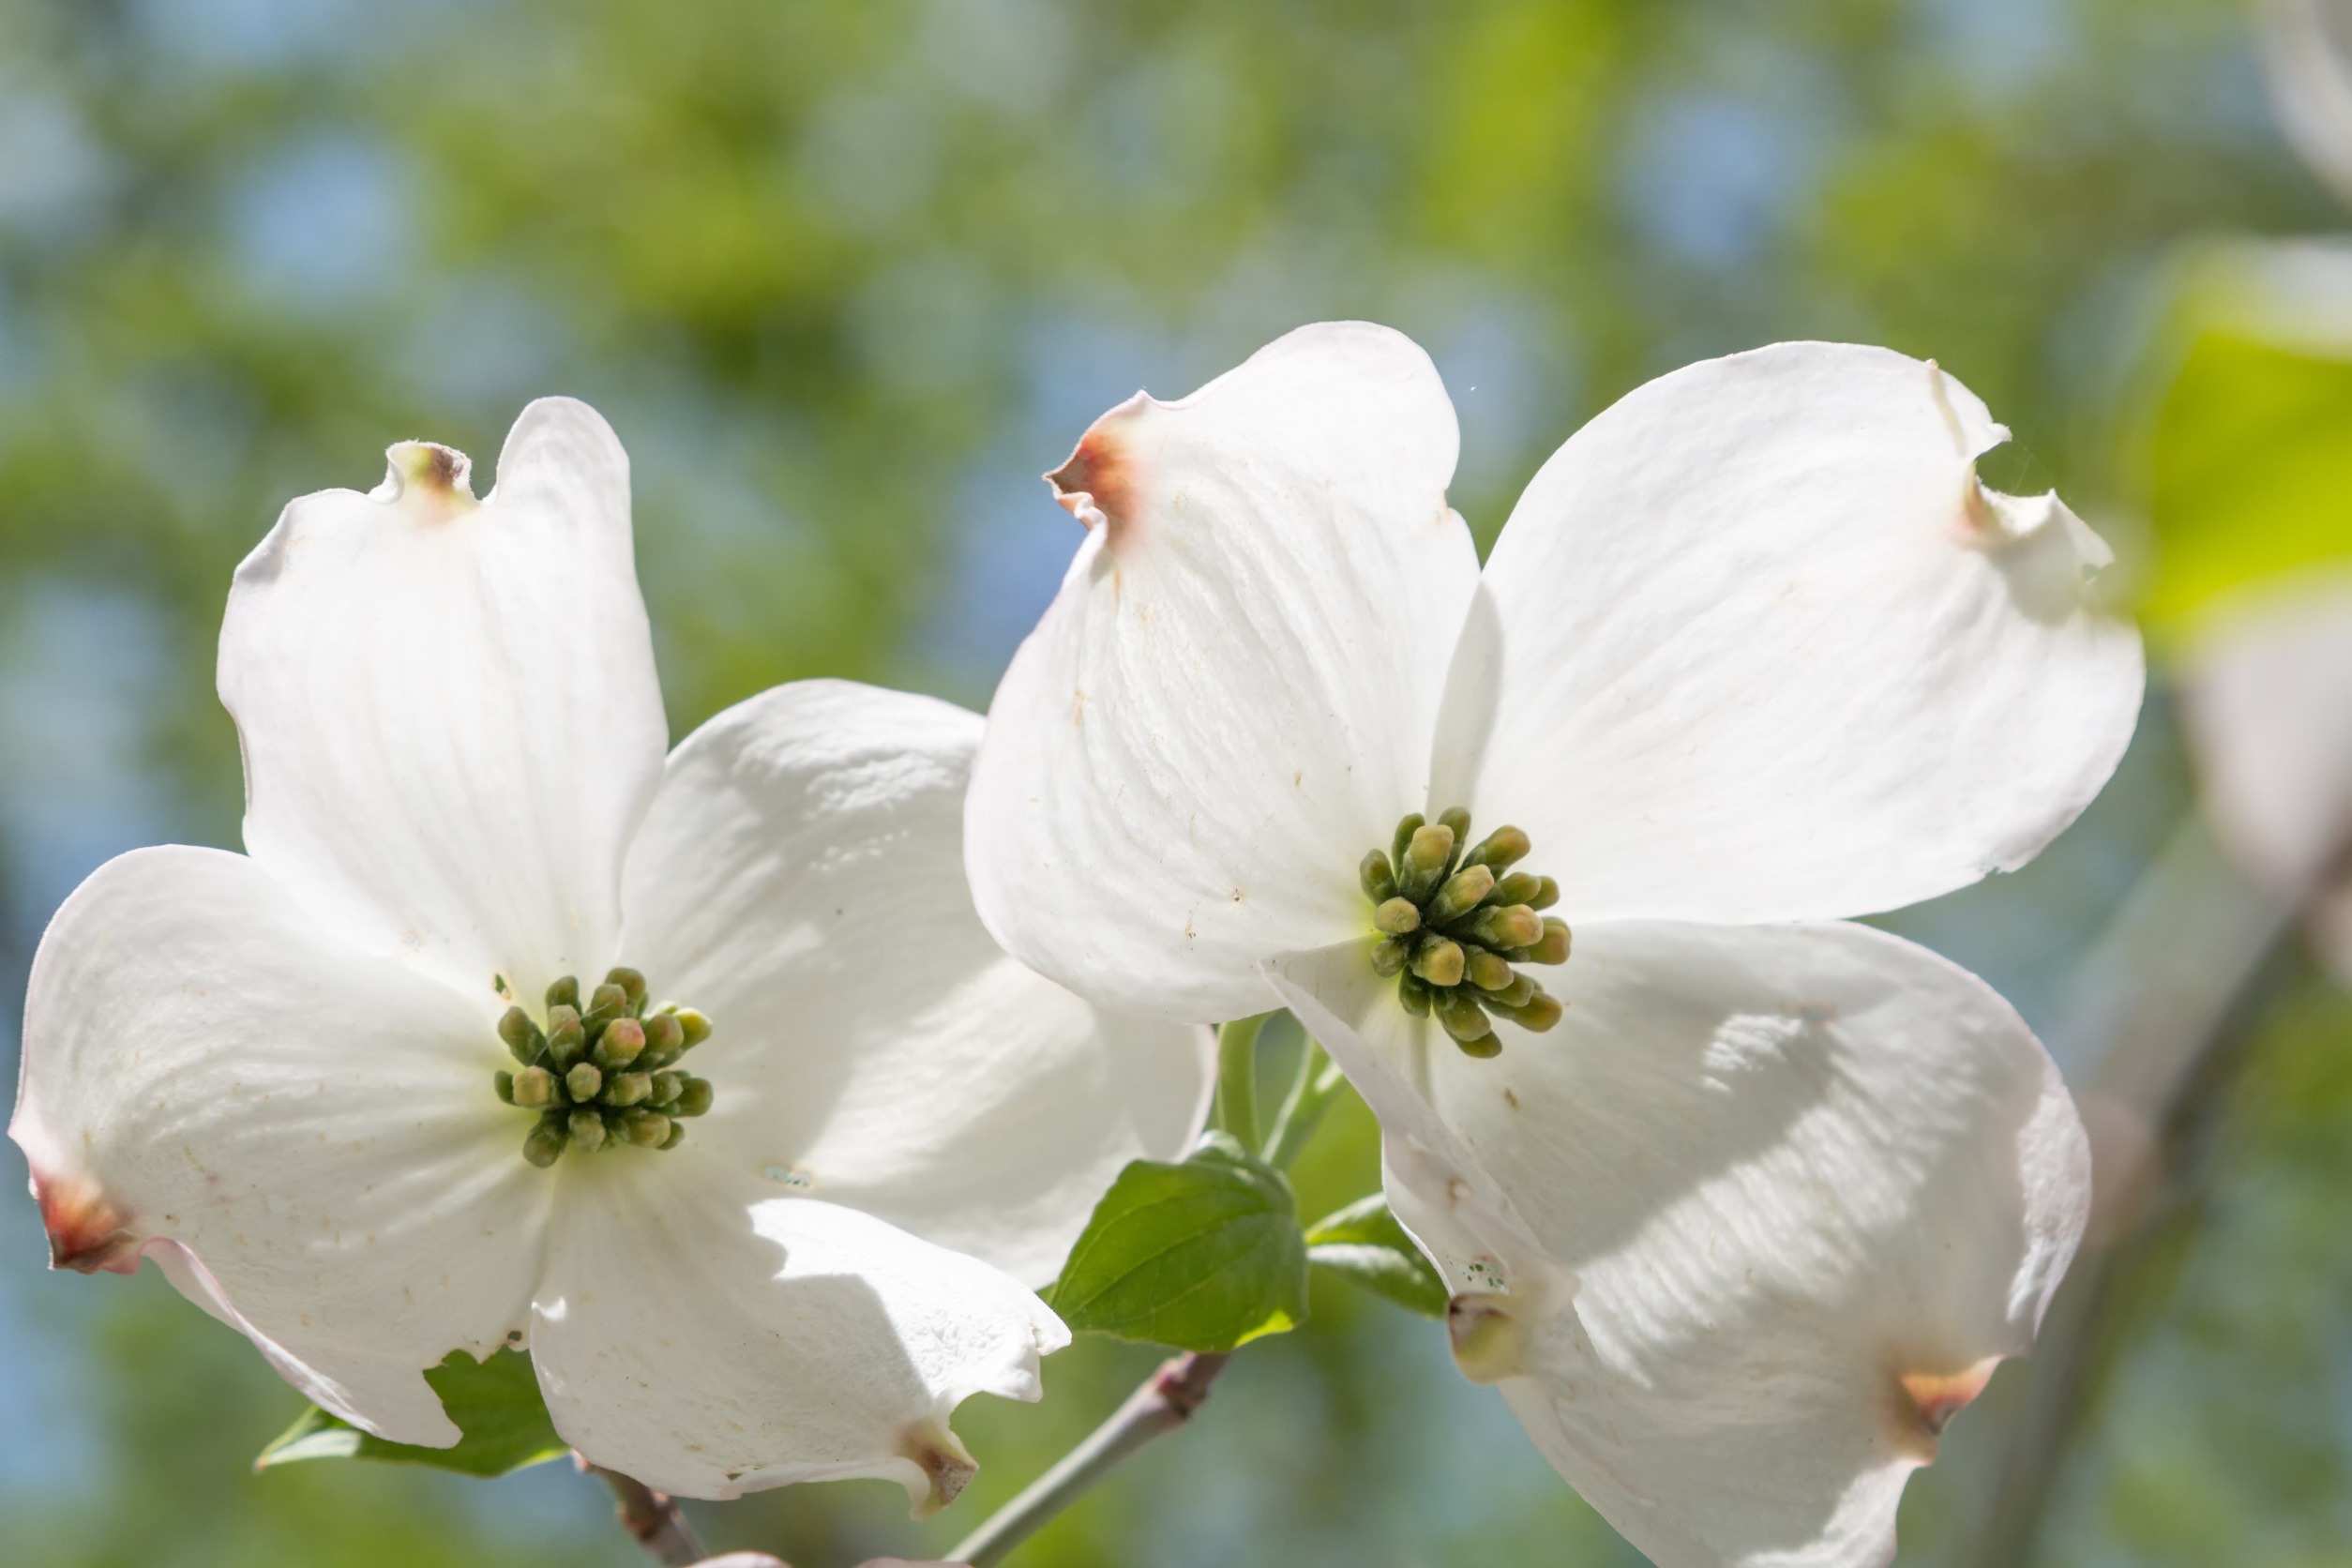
x=1164, y=1402
x=653, y=1519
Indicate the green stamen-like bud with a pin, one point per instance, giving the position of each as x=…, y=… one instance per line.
x=1457, y=822
x=1540, y=1012
x=504, y=1084
x=1413, y=995
x=1424, y=862
x=667, y=1087
x=1388, y=955
x=1505, y=926
x=1552, y=946
x=1439, y=963
x=583, y=1083
x=545, y=1145
x=677, y=1135
x=1462, y=1017
x=650, y=1131
x=522, y=1035
x=1484, y=1048
x=1515, y=994
x=1406, y=828
x=694, y=1099
x=632, y=986
x=605, y=1003
x=1398, y=917
x=1377, y=877
x=534, y=1088
x=587, y=1130
x=1488, y=970
x=564, y=993
x=1518, y=888
x=565, y=1036
x=1462, y=892
x=620, y=1044
x=627, y=1089
x=1499, y=850
x=1546, y=895
x=665, y=1033
x=697, y=1027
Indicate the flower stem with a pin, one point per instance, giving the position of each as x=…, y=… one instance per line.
x=1237, y=1078
x=1311, y=1095
x=653, y=1518
x=1164, y=1402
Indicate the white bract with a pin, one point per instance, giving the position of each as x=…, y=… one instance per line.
x=1769, y=1196
x=274, y=1073
x=2267, y=694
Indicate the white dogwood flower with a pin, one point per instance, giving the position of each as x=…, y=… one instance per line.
x=393, y=1084
x=1740, y=1202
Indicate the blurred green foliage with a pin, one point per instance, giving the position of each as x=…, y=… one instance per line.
x=845, y=274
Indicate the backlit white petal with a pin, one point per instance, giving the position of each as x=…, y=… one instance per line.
x=448, y=708
x=1810, y=1184
x=2266, y=694
x=1233, y=696
x=1765, y=649
x=712, y=1340
x=800, y=880
x=304, y=1135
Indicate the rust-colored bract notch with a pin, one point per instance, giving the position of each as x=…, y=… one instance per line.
x=437, y=479
x=1933, y=1398
x=942, y=1457
x=85, y=1233
x=1098, y=485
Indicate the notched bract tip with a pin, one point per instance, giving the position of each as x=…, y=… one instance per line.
x=1095, y=485
x=1929, y=1400
x=85, y=1233
x=426, y=471
x=945, y=1461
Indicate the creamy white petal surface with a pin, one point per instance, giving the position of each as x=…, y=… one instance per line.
x=1232, y=697
x=2307, y=51
x=2267, y=700
x=1794, y=1190
x=303, y=1134
x=1763, y=648
x=709, y=1339
x=800, y=880
x=448, y=708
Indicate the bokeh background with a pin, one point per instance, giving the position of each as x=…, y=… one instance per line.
x=847, y=275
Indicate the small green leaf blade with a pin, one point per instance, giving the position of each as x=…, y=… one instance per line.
x=494, y=1403
x=1202, y=1256
x=1365, y=1245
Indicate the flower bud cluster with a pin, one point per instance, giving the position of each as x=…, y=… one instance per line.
x=606, y=1075
x=1451, y=922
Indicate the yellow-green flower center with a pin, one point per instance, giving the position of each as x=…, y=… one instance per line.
x=1451, y=922
x=603, y=1076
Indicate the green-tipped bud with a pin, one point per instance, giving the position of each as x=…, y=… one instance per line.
x=1388, y=955
x=694, y=1099
x=1377, y=877
x=587, y=1130
x=632, y=984
x=583, y=1083
x=665, y=1033
x=1463, y=1019
x=1462, y=892
x=1488, y=971
x=605, y=1003
x=1413, y=995
x=504, y=1084
x=667, y=1087
x=1551, y=946
x=1546, y=893
x=620, y=1044
x=1439, y=963
x=566, y=1037
x=1484, y=1048
x=1457, y=822
x=1424, y=862
x=1507, y=925
x=1514, y=995
x=697, y=1027
x=534, y=1088
x=545, y=1145
x=564, y=993
x=1406, y=828
x=677, y=1135
x=627, y=1089
x=650, y=1131
x=1501, y=849
x=522, y=1035
x=1517, y=888
x=1398, y=917
x=1540, y=1012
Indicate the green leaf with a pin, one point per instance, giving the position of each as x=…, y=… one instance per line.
x=1365, y=1245
x=1202, y=1256
x=2250, y=472
x=495, y=1403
